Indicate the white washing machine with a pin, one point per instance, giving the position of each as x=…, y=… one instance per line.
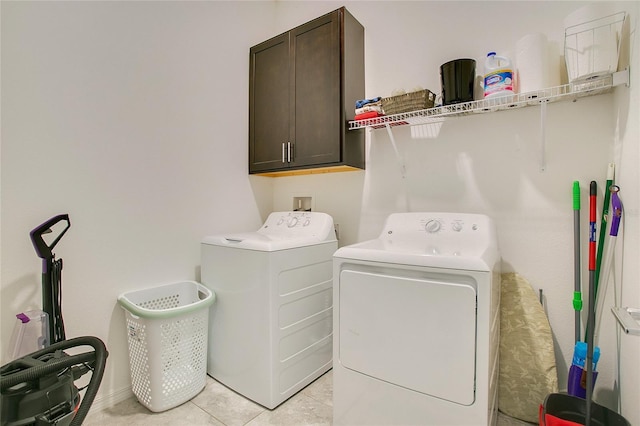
x=270, y=330
x=416, y=323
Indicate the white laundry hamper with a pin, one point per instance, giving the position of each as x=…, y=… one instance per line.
x=167, y=330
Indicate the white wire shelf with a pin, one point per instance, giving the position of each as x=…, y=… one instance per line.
x=567, y=92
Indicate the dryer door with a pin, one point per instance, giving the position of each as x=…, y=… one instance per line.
x=418, y=333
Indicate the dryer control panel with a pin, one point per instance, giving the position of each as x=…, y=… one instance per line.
x=440, y=233
x=475, y=225
x=434, y=225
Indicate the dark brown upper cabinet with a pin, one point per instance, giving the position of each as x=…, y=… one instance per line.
x=302, y=90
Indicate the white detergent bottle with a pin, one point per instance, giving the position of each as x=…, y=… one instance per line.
x=498, y=77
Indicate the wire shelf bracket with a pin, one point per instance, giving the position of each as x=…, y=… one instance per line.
x=628, y=318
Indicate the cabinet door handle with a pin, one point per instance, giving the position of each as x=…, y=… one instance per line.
x=288, y=152
x=283, y=152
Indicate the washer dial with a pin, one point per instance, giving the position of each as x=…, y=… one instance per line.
x=432, y=226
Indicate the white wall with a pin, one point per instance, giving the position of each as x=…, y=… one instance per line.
x=491, y=163
x=627, y=269
x=132, y=118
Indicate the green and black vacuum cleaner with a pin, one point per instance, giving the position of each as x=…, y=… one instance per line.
x=39, y=388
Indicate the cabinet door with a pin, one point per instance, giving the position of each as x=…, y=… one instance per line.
x=269, y=110
x=315, y=92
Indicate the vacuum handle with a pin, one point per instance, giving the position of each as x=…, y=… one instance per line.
x=42, y=249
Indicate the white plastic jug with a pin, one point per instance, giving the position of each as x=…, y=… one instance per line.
x=498, y=77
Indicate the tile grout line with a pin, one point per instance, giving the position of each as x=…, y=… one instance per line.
x=206, y=412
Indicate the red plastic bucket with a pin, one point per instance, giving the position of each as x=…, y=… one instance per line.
x=566, y=410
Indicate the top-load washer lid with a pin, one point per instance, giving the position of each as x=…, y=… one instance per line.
x=281, y=231
x=443, y=240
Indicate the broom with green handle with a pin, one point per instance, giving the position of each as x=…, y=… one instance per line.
x=577, y=294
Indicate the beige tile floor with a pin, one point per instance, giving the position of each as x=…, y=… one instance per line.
x=219, y=406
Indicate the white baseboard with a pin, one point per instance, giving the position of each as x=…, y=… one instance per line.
x=107, y=401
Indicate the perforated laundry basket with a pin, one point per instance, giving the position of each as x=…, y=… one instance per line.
x=167, y=329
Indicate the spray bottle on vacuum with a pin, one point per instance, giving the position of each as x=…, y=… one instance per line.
x=498, y=77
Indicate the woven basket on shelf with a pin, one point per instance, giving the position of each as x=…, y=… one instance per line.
x=414, y=101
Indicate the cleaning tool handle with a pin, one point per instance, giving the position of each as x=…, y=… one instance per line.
x=611, y=171
x=577, y=300
x=43, y=250
x=577, y=295
x=616, y=206
x=593, y=189
x=616, y=210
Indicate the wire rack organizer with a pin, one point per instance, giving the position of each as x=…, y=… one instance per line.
x=566, y=92
x=592, y=48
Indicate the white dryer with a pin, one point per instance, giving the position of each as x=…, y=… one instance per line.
x=416, y=323
x=270, y=330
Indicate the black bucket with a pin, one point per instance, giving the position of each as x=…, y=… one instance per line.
x=457, y=79
x=565, y=410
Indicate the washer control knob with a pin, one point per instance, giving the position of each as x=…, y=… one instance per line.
x=307, y=222
x=433, y=226
x=280, y=221
x=456, y=226
x=292, y=222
